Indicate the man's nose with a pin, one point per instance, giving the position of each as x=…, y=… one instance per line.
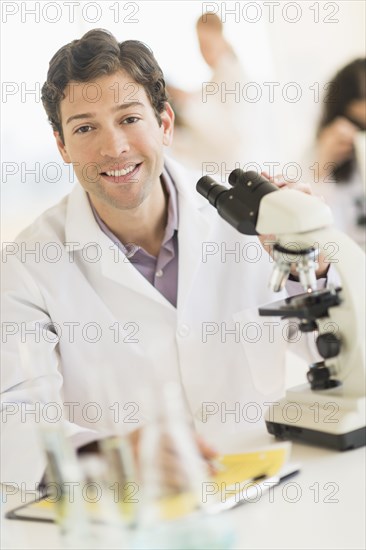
x=113, y=143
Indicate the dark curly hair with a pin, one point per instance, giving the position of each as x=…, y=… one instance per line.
x=348, y=85
x=97, y=54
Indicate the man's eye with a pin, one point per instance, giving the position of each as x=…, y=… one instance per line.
x=130, y=120
x=83, y=129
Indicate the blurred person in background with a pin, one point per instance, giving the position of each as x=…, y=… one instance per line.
x=209, y=125
x=340, y=152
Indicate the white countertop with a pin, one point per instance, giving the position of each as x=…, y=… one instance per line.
x=323, y=507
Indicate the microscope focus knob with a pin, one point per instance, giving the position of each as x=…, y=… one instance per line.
x=308, y=326
x=318, y=376
x=328, y=344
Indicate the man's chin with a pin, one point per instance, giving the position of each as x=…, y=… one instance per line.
x=123, y=203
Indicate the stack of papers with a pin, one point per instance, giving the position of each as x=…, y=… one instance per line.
x=239, y=478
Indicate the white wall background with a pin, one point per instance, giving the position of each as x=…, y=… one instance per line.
x=281, y=42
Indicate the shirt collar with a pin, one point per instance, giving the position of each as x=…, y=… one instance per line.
x=172, y=222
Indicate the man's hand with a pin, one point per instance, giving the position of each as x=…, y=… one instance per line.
x=173, y=470
x=267, y=240
x=168, y=461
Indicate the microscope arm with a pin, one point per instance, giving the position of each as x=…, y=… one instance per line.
x=302, y=225
x=301, y=221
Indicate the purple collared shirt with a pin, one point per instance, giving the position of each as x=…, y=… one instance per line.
x=161, y=272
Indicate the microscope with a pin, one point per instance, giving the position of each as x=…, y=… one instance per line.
x=330, y=406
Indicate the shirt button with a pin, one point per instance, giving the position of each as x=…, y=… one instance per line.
x=183, y=331
x=159, y=273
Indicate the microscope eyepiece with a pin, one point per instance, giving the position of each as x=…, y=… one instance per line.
x=255, y=185
x=209, y=189
x=238, y=204
x=239, y=176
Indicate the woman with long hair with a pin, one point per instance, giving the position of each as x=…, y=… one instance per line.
x=341, y=150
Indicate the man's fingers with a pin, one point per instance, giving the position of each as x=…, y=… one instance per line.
x=170, y=463
x=206, y=450
x=267, y=176
x=281, y=183
x=297, y=186
x=208, y=454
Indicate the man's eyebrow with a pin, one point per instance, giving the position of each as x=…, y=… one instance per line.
x=120, y=107
x=128, y=104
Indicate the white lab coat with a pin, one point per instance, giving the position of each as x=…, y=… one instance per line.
x=342, y=198
x=92, y=290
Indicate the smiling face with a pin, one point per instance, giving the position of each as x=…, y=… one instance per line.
x=113, y=139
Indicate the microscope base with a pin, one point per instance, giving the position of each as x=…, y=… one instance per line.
x=325, y=418
x=340, y=442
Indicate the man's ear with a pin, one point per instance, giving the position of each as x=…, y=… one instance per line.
x=167, y=122
x=61, y=147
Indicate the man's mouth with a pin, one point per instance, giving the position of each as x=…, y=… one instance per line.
x=123, y=175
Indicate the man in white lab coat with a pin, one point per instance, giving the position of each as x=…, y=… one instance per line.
x=134, y=280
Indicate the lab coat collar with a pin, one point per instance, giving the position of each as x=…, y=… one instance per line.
x=81, y=229
x=193, y=227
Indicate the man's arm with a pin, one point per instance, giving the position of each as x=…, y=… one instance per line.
x=30, y=378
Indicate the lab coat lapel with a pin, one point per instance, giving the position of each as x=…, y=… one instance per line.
x=83, y=231
x=193, y=228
